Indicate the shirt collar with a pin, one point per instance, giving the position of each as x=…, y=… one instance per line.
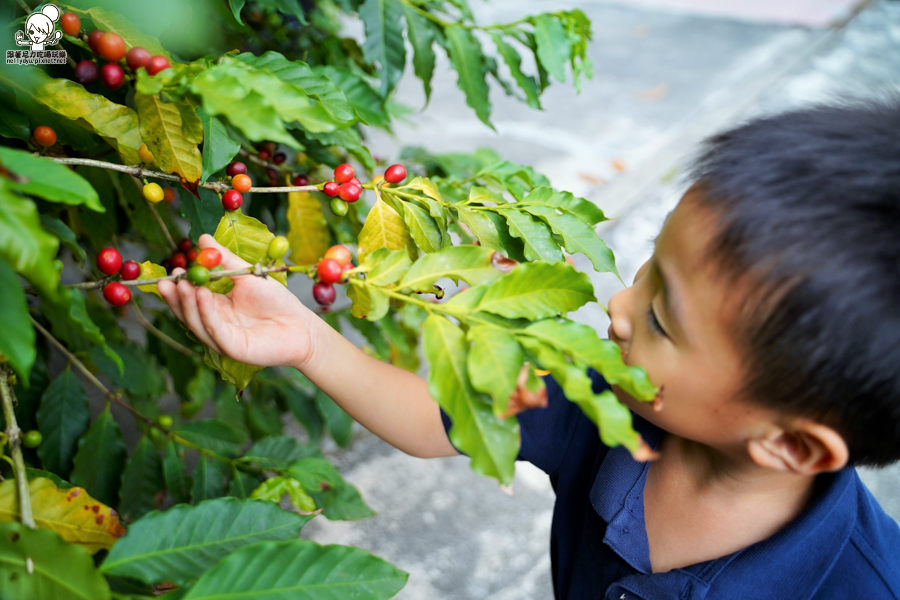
x=826, y=525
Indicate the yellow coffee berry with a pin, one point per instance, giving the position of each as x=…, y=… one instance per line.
x=153, y=192
x=145, y=154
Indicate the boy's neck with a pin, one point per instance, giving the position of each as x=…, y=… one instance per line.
x=701, y=503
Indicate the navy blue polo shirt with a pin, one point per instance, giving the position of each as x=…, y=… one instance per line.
x=843, y=546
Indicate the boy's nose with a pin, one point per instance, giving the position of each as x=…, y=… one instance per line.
x=620, y=327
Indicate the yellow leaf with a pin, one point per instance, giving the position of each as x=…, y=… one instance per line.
x=71, y=513
x=308, y=233
x=151, y=271
x=172, y=131
x=384, y=228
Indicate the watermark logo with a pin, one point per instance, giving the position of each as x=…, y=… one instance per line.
x=40, y=31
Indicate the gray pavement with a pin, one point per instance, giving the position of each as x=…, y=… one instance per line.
x=663, y=81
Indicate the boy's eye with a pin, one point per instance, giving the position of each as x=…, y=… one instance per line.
x=654, y=322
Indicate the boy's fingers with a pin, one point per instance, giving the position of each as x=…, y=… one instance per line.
x=212, y=322
x=169, y=293
x=188, y=295
x=229, y=259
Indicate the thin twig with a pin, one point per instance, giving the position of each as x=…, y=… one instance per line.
x=140, y=172
x=15, y=448
x=159, y=221
x=167, y=340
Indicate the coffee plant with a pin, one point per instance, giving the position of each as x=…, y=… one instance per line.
x=111, y=168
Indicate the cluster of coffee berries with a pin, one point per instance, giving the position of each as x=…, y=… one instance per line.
x=330, y=270
x=197, y=262
x=109, y=262
x=110, y=47
x=236, y=168
x=346, y=188
x=154, y=192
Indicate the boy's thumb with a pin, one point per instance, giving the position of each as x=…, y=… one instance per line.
x=230, y=260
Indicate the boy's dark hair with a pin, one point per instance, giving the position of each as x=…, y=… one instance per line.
x=808, y=204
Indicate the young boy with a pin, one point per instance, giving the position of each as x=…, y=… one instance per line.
x=768, y=316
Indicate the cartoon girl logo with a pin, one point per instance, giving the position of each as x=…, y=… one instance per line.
x=40, y=29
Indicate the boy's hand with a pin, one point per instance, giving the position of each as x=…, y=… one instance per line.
x=259, y=322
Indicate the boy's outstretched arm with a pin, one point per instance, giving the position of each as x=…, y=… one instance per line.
x=261, y=323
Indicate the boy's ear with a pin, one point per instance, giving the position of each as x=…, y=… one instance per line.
x=804, y=447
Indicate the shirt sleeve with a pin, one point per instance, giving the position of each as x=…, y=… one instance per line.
x=546, y=432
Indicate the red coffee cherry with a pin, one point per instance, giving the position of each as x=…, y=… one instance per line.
x=179, y=260
x=116, y=293
x=157, y=64
x=112, y=76
x=232, y=200
x=192, y=254
x=137, y=57
x=272, y=173
x=279, y=158
x=343, y=173
x=185, y=244
x=340, y=254
x=169, y=194
x=329, y=270
x=45, y=136
x=332, y=188
x=86, y=72
x=301, y=180
x=236, y=168
x=109, y=261
x=395, y=174
x=70, y=23
x=345, y=278
x=94, y=40
x=356, y=181
x=350, y=192
x=130, y=270
x=324, y=293
x=264, y=154
x=209, y=258
x=111, y=46
x=241, y=183
x=270, y=146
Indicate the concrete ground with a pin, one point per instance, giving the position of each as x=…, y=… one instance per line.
x=664, y=79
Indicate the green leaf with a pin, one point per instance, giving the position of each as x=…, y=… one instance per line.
x=299, y=74
x=538, y=290
x=423, y=228
x=48, y=180
x=29, y=398
x=62, y=417
x=236, y=6
x=578, y=237
x=218, y=147
x=151, y=271
x=384, y=228
x=552, y=45
x=302, y=406
x=339, y=423
x=142, y=479
x=143, y=379
x=308, y=235
x=242, y=484
x=347, y=138
x=36, y=563
x=71, y=322
x=110, y=20
x=101, y=459
x=14, y=124
x=66, y=237
x=387, y=266
x=299, y=570
x=384, y=40
x=277, y=451
x=539, y=243
x=212, y=434
x=525, y=82
x=338, y=499
x=249, y=239
x=99, y=227
x=315, y=474
x=611, y=416
x=116, y=124
x=369, y=106
x=469, y=263
x=17, y=336
x=492, y=444
x=493, y=364
x=24, y=244
x=481, y=227
x=581, y=208
x=273, y=489
x=368, y=302
x=468, y=62
x=210, y=479
x=582, y=343
x=421, y=36
x=177, y=480
x=168, y=137
x=185, y=541
x=203, y=213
